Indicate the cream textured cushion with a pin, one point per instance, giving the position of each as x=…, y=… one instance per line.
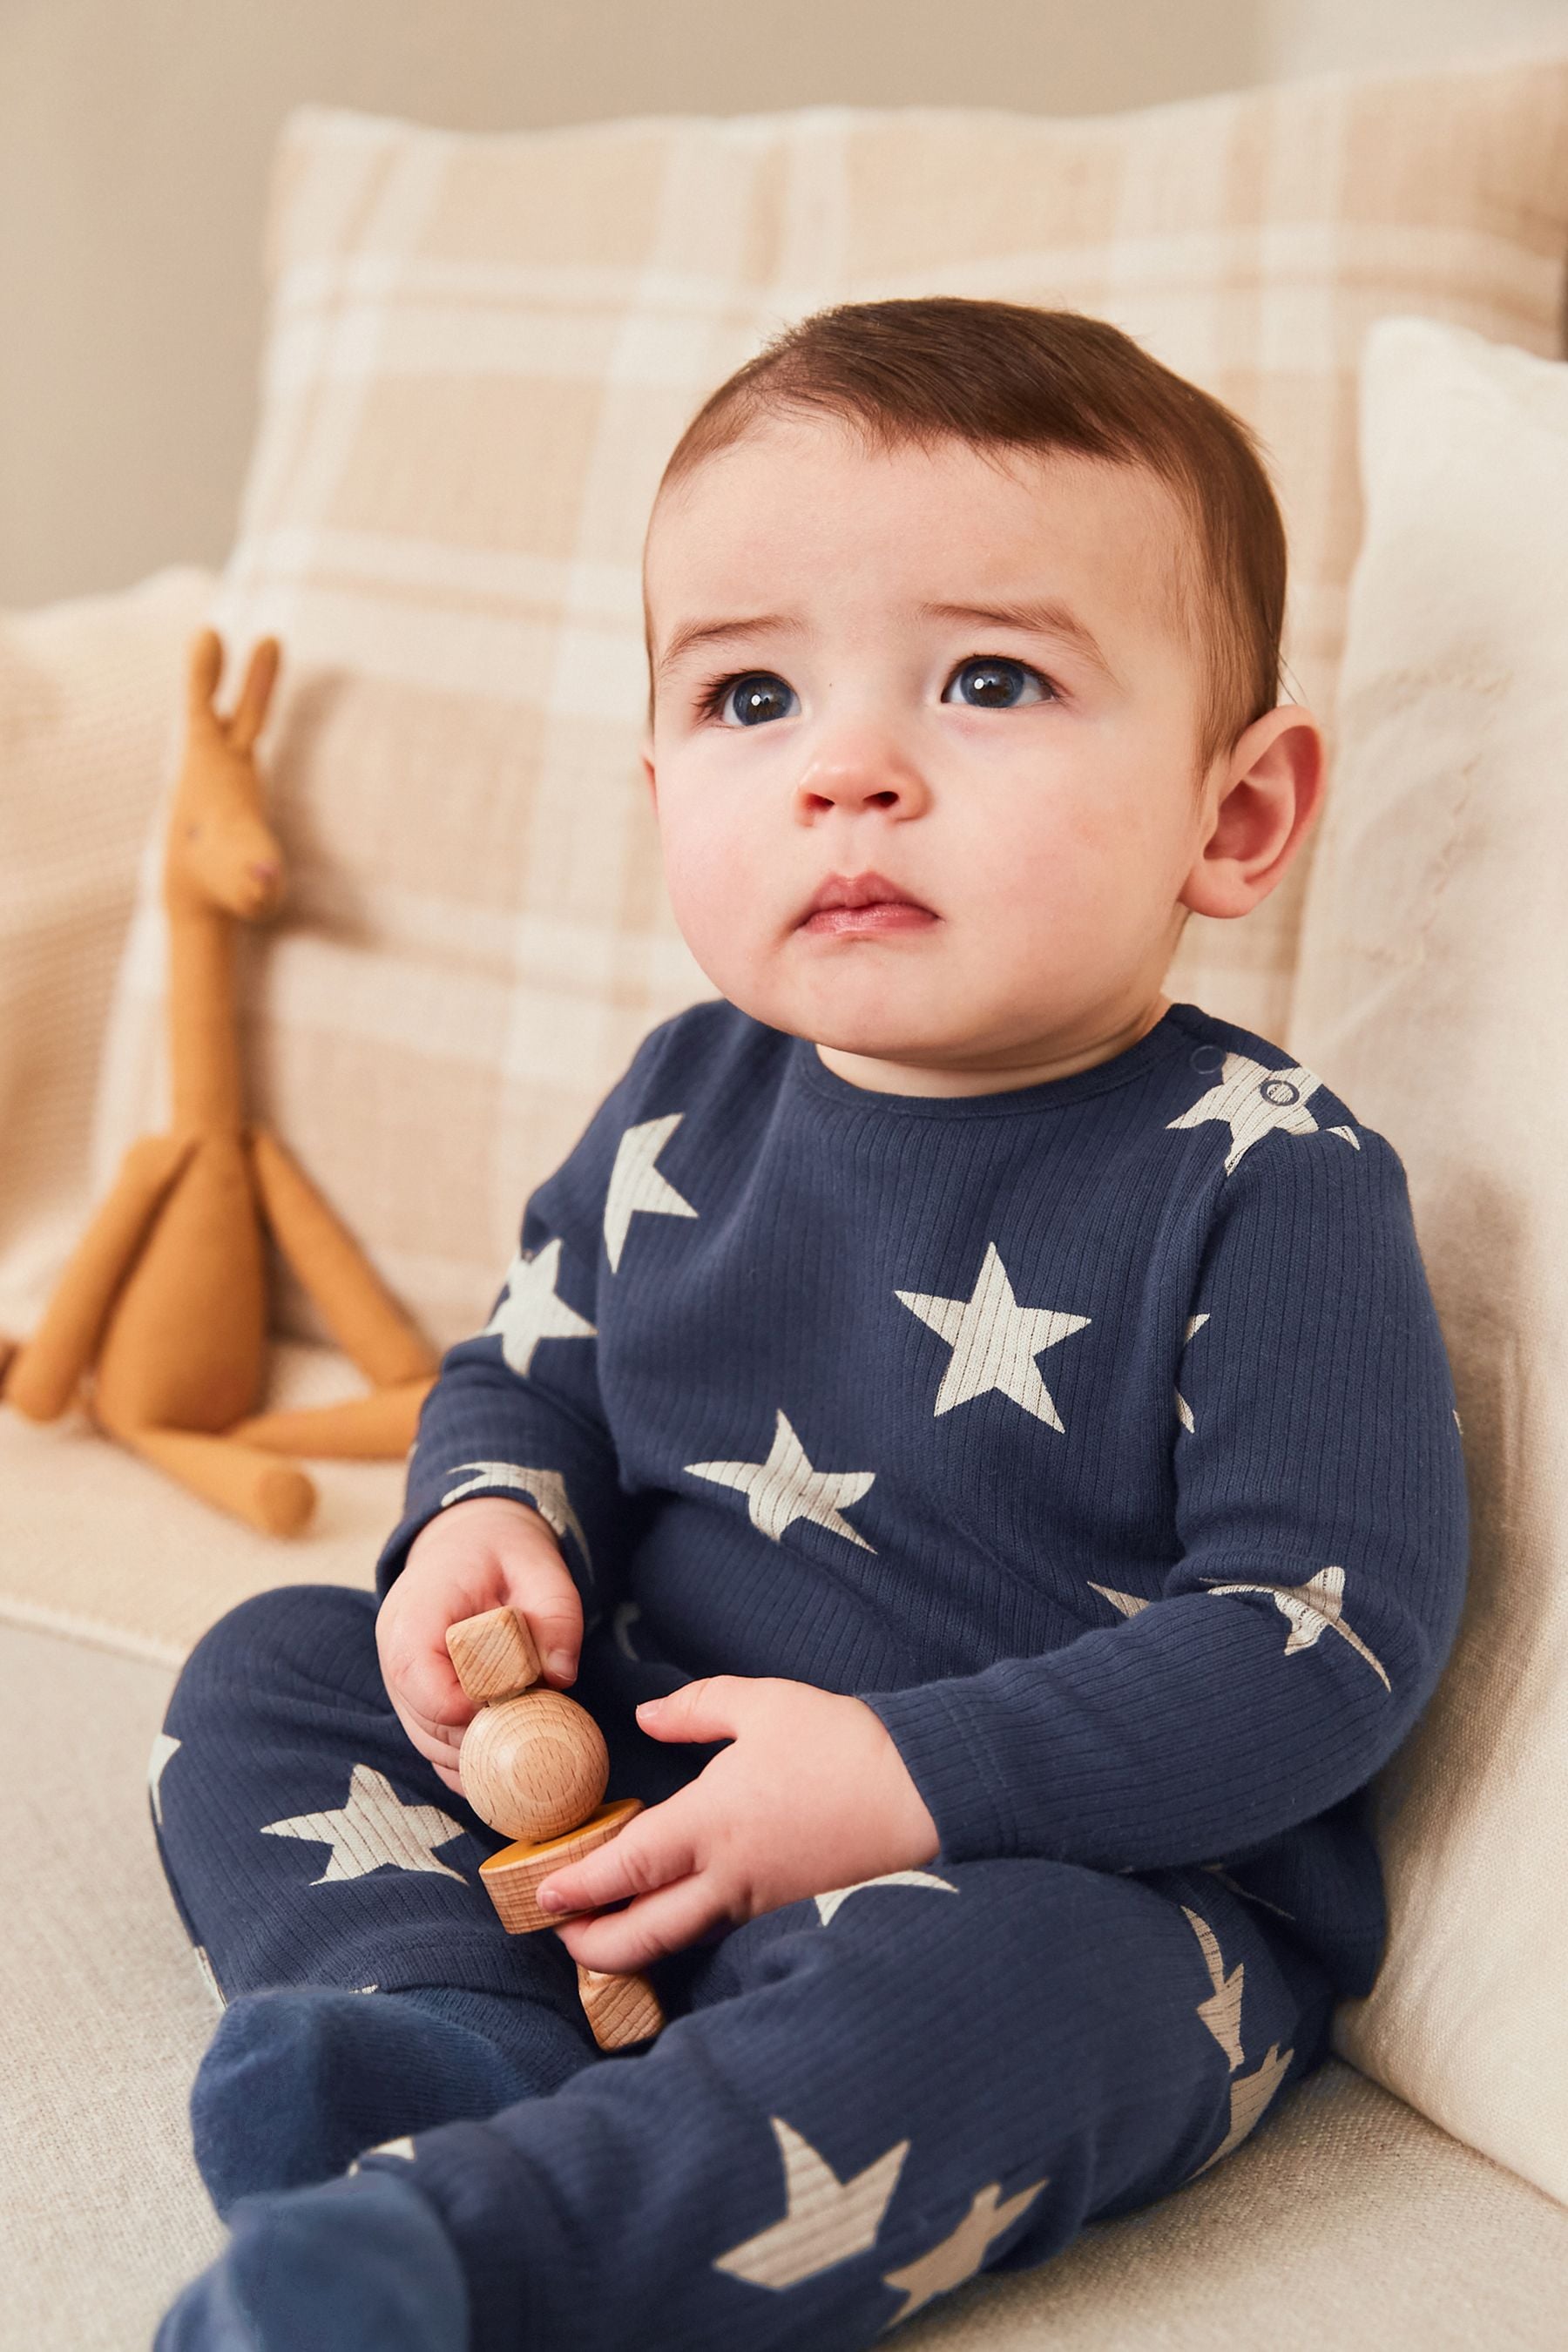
x=1432, y=992
x=89, y=697
x=482, y=349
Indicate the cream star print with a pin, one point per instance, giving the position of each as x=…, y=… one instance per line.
x=1183, y=1412
x=208, y=1976
x=1128, y=1603
x=546, y=1488
x=993, y=1340
x=1253, y=1100
x=1221, y=2013
x=529, y=1310
x=1313, y=1608
x=635, y=1183
x=826, y=1904
x=163, y=1748
x=1247, y=1894
x=961, y=2253
x=826, y=2220
x=1250, y=2095
x=402, y=2147
x=375, y=1830
x=785, y=1488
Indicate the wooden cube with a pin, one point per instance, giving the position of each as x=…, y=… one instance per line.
x=493, y=1655
x=619, y=2008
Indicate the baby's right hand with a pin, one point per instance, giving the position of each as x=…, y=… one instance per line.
x=476, y=1555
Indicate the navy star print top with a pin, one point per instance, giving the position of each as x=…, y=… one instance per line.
x=1100, y=1435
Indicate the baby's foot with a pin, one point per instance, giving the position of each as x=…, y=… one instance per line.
x=299, y=2081
x=360, y=2265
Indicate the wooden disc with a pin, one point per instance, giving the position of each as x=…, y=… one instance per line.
x=512, y=1874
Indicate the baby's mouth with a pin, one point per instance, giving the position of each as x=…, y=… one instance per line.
x=881, y=919
x=863, y=906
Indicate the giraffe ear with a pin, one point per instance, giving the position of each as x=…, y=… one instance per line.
x=250, y=711
x=203, y=669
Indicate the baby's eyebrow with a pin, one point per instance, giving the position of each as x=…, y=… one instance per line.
x=1043, y=617
x=704, y=633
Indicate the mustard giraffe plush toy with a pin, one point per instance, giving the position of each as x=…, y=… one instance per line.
x=164, y=1302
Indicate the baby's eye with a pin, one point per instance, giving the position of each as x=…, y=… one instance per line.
x=747, y=700
x=996, y=682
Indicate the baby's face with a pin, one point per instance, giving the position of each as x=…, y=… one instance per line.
x=971, y=683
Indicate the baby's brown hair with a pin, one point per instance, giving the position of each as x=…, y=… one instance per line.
x=1002, y=375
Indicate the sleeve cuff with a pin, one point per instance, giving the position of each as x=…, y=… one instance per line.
x=956, y=1778
x=394, y=1555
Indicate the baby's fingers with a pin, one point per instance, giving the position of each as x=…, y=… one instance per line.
x=437, y=1749
x=655, y=1847
x=665, y=1921
x=416, y=1664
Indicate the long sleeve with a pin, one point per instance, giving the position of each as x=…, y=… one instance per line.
x=1321, y=1512
x=516, y=1409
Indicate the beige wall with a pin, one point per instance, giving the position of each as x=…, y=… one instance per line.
x=135, y=134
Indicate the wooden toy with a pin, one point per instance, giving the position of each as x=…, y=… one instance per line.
x=533, y=1763
x=165, y=1300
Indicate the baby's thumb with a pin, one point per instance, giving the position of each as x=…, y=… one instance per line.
x=544, y=1595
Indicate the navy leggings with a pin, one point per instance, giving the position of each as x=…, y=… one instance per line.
x=859, y=2100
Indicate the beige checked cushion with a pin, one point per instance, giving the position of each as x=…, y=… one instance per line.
x=1433, y=983
x=90, y=693
x=482, y=349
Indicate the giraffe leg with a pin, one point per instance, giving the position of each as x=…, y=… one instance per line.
x=361, y=1313
x=276, y=1497
x=374, y=1428
x=42, y=1373
x=365, y=1319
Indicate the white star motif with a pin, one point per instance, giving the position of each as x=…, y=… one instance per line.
x=635, y=1183
x=530, y=1310
x=828, y=1904
x=1195, y=1323
x=404, y=2147
x=375, y=1830
x=1250, y=2095
x=208, y=1976
x=786, y=1487
x=1245, y=1892
x=1128, y=1603
x=826, y=2220
x=1221, y=2013
x=163, y=1748
x=1313, y=1608
x=1253, y=1100
x=960, y=2254
x=547, y=1489
x=993, y=1340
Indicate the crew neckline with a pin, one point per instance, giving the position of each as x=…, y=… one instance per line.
x=1174, y=1029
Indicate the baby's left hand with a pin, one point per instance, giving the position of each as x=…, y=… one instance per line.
x=810, y=1794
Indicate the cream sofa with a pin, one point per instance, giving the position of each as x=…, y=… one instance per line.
x=430, y=1028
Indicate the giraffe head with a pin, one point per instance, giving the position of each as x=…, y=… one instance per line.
x=221, y=851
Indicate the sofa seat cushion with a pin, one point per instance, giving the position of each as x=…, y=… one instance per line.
x=1345, y=2219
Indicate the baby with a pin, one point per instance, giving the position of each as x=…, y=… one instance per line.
x=974, y=1433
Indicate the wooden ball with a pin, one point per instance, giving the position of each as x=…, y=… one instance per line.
x=534, y=1766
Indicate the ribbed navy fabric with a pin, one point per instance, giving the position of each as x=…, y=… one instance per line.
x=1100, y=1435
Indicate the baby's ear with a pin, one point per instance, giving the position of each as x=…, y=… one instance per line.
x=648, y=768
